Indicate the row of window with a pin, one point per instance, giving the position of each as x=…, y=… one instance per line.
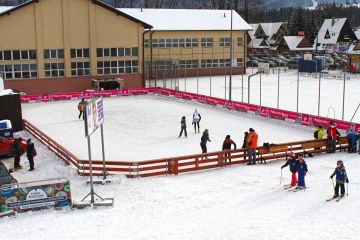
x=188, y=64
x=19, y=71
x=117, y=67
x=116, y=52
x=17, y=55
x=189, y=42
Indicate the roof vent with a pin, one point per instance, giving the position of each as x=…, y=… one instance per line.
x=224, y=15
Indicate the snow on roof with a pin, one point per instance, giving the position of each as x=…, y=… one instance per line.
x=271, y=28
x=353, y=51
x=293, y=42
x=253, y=31
x=188, y=19
x=256, y=43
x=357, y=33
x=333, y=28
x=5, y=8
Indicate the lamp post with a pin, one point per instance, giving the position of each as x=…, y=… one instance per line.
x=231, y=49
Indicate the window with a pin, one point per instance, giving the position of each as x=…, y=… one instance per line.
x=99, y=52
x=7, y=55
x=80, y=68
x=225, y=42
x=16, y=54
x=117, y=67
x=79, y=52
x=191, y=42
x=168, y=43
x=181, y=42
x=54, y=70
x=114, y=52
x=239, y=62
x=19, y=71
x=206, y=42
x=53, y=53
x=175, y=43
x=189, y=64
x=146, y=43
x=32, y=54
x=134, y=51
x=127, y=51
x=240, y=41
x=161, y=43
x=214, y=63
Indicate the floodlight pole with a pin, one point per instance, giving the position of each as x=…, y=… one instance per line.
x=91, y=173
x=103, y=151
x=297, y=92
x=231, y=52
x=319, y=94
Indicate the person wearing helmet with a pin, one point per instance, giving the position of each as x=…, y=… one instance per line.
x=302, y=170
x=341, y=178
x=196, y=120
x=292, y=163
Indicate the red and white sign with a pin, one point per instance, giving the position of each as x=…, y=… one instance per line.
x=66, y=96
x=215, y=101
x=30, y=98
x=284, y=115
x=244, y=107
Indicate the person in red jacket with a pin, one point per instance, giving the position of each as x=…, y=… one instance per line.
x=332, y=134
x=251, y=141
x=227, y=146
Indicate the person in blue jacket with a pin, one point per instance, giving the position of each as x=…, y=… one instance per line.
x=352, y=141
x=302, y=170
x=204, y=139
x=341, y=178
x=292, y=163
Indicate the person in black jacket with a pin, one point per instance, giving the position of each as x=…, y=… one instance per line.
x=245, y=137
x=227, y=146
x=183, y=126
x=341, y=178
x=30, y=153
x=204, y=139
x=16, y=152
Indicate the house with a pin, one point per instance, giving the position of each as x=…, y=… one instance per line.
x=297, y=44
x=354, y=57
x=258, y=45
x=335, y=35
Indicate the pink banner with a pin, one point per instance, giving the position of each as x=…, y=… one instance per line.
x=87, y=95
x=125, y=92
x=30, y=98
x=215, y=101
x=66, y=96
x=140, y=91
x=229, y=105
x=244, y=107
x=357, y=128
x=263, y=111
x=106, y=93
x=166, y=92
x=187, y=96
x=202, y=99
x=45, y=97
x=284, y=115
x=305, y=119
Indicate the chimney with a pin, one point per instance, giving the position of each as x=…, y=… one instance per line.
x=332, y=22
x=224, y=15
x=141, y=9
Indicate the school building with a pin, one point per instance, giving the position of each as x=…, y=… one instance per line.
x=61, y=45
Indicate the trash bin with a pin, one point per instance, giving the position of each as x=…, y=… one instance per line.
x=6, y=129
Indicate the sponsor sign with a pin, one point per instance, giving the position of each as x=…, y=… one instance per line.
x=215, y=101
x=94, y=116
x=284, y=115
x=187, y=96
x=106, y=93
x=244, y=107
x=30, y=98
x=308, y=57
x=35, y=195
x=66, y=96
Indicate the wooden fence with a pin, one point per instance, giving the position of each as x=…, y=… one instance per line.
x=182, y=164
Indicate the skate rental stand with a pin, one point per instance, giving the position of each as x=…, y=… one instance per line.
x=94, y=117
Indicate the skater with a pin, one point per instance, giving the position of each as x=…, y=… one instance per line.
x=204, y=139
x=319, y=133
x=332, y=134
x=352, y=141
x=302, y=170
x=227, y=147
x=341, y=177
x=183, y=126
x=16, y=152
x=292, y=163
x=246, y=134
x=30, y=153
x=81, y=108
x=196, y=120
x=251, y=142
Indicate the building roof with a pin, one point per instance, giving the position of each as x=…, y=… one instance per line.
x=330, y=30
x=253, y=31
x=258, y=43
x=8, y=10
x=354, y=49
x=293, y=43
x=188, y=19
x=271, y=28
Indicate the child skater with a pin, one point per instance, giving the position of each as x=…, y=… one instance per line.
x=183, y=126
x=292, y=163
x=302, y=170
x=341, y=178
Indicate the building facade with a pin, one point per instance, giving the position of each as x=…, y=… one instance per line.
x=60, y=45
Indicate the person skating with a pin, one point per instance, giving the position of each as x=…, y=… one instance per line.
x=301, y=170
x=183, y=126
x=319, y=133
x=196, y=120
x=30, y=153
x=16, y=151
x=204, y=139
x=251, y=142
x=352, y=141
x=332, y=134
x=341, y=178
x=227, y=146
x=292, y=162
x=81, y=108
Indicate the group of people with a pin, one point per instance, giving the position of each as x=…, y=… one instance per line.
x=17, y=151
x=250, y=138
x=332, y=134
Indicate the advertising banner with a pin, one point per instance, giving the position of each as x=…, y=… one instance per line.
x=244, y=107
x=202, y=99
x=87, y=95
x=305, y=119
x=66, y=96
x=215, y=101
x=284, y=115
x=30, y=98
x=187, y=96
x=106, y=93
x=124, y=92
x=35, y=195
x=45, y=97
x=141, y=91
x=94, y=116
x=263, y=111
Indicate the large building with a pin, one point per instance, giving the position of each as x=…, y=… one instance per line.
x=60, y=45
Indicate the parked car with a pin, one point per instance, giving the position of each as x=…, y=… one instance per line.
x=293, y=64
x=5, y=176
x=5, y=146
x=252, y=63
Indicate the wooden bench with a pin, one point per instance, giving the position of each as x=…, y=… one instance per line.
x=275, y=151
x=343, y=142
x=314, y=147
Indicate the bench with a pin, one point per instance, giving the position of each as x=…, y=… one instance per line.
x=314, y=147
x=343, y=142
x=274, y=151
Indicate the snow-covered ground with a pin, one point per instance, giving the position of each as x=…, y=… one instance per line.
x=147, y=127
x=331, y=91
x=237, y=202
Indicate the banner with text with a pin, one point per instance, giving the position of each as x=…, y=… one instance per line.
x=94, y=116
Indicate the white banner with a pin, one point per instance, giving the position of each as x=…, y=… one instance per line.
x=94, y=116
